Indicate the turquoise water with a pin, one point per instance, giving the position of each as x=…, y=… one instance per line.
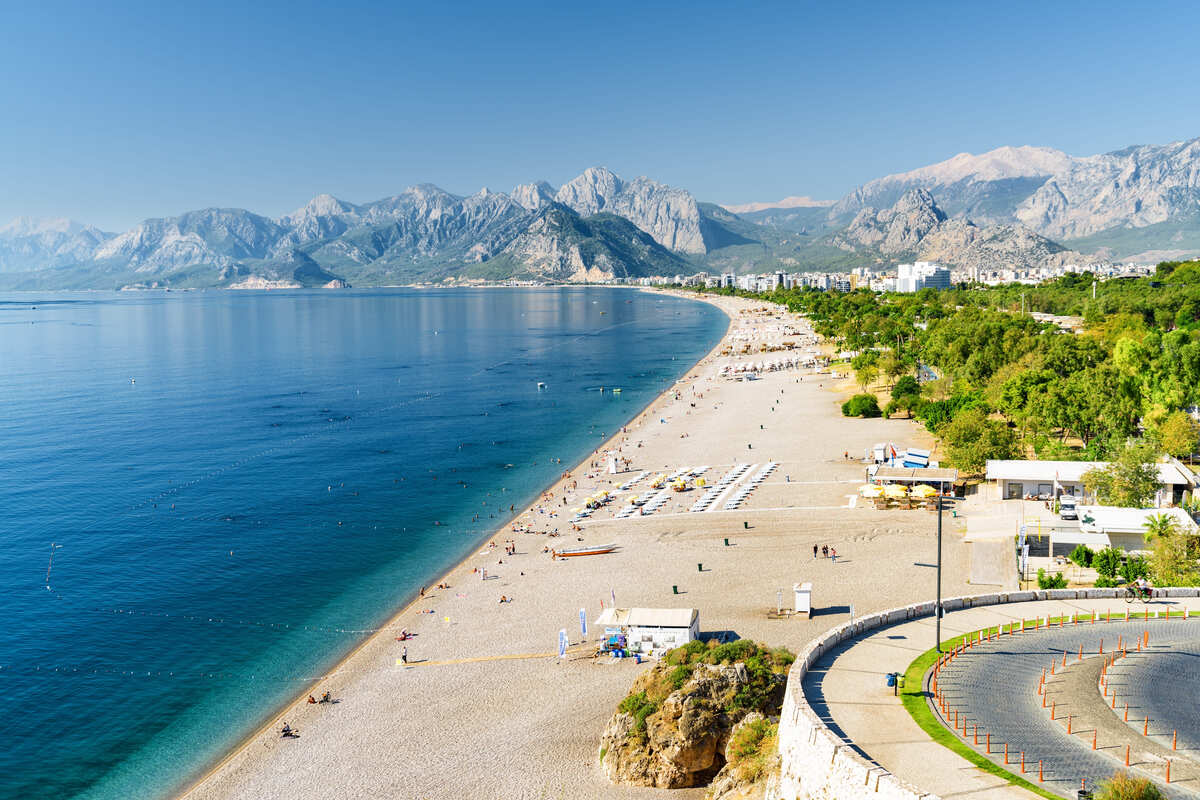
x=241, y=485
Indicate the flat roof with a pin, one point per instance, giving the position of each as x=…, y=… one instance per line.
x=648, y=617
x=917, y=475
x=1114, y=519
x=1070, y=471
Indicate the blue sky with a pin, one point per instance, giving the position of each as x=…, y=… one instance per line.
x=116, y=112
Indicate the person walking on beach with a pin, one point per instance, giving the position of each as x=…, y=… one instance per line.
x=825, y=550
x=404, y=655
x=833, y=553
x=814, y=551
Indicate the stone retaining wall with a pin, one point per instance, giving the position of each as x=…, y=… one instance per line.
x=816, y=764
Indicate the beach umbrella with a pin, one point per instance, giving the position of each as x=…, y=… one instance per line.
x=924, y=490
x=870, y=490
x=895, y=490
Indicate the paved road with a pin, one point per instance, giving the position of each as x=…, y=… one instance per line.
x=847, y=689
x=995, y=685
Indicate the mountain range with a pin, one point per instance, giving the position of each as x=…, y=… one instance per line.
x=1010, y=207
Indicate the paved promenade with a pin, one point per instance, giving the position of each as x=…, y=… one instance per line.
x=996, y=686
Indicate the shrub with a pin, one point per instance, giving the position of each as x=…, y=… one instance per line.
x=680, y=675
x=1082, y=555
x=861, y=405
x=640, y=707
x=1123, y=786
x=906, y=387
x=1046, y=582
x=1106, y=582
x=1107, y=562
x=1134, y=567
x=751, y=747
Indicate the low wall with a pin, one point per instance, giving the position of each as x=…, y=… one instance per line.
x=816, y=764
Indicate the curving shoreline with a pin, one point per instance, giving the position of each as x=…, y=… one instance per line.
x=392, y=624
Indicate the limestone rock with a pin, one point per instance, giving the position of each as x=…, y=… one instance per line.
x=684, y=741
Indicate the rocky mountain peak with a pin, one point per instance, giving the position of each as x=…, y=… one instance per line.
x=534, y=196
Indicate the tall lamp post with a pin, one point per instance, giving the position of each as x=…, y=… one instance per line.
x=937, y=607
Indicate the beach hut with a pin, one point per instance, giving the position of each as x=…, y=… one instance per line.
x=651, y=631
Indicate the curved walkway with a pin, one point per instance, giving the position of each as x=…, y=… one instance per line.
x=846, y=687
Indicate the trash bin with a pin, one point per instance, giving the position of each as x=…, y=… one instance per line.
x=891, y=679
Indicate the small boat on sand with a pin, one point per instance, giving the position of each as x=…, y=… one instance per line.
x=590, y=550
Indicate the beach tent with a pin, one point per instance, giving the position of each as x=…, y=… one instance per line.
x=922, y=490
x=895, y=490
x=870, y=490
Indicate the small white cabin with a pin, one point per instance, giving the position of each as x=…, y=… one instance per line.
x=652, y=631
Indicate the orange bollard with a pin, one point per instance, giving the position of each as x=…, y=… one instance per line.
x=1094, y=734
x=1101, y=645
x=1093, y=622
x=1064, y=658
x=976, y=732
x=1174, y=740
x=1168, y=770
x=1127, y=755
x=1052, y=709
x=1040, y=778
x=1127, y=712
x=1114, y=701
x=1022, y=762
x=1052, y=667
x=1127, y=615
x=1146, y=727
x=956, y=719
x=1108, y=615
x=989, y=743
x=1147, y=638
x=1070, y=720
x=1006, y=754
x=1075, y=618
x=1080, y=653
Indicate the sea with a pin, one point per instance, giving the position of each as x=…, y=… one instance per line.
x=209, y=498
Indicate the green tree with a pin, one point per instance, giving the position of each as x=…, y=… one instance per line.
x=866, y=375
x=1130, y=480
x=1107, y=562
x=861, y=405
x=907, y=386
x=891, y=366
x=972, y=439
x=1170, y=563
x=1179, y=434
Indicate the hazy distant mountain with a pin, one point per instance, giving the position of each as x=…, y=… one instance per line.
x=1145, y=197
x=787, y=202
x=534, y=196
x=27, y=243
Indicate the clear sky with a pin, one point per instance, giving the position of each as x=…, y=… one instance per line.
x=113, y=112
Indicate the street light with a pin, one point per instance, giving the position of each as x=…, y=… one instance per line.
x=937, y=607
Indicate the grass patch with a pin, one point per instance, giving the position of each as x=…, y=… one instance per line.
x=914, y=701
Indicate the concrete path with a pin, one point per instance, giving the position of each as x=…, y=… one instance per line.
x=847, y=688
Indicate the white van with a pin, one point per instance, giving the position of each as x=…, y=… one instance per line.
x=1068, y=507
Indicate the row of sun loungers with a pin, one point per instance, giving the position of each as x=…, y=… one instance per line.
x=630, y=483
x=742, y=493
x=713, y=492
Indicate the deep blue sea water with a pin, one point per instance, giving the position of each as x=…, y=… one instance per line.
x=238, y=484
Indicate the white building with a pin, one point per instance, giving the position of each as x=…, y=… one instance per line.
x=1044, y=480
x=1111, y=526
x=651, y=631
x=921, y=275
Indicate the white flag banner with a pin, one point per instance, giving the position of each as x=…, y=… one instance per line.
x=562, y=643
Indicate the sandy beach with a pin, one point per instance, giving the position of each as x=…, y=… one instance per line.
x=485, y=708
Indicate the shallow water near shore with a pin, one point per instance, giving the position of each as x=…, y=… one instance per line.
x=242, y=485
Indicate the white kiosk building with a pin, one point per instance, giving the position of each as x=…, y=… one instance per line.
x=652, y=630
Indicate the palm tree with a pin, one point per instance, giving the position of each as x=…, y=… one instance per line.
x=1160, y=525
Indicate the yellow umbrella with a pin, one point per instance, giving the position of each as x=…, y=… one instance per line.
x=924, y=490
x=870, y=490
x=895, y=490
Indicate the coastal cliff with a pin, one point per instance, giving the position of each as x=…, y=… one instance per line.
x=700, y=716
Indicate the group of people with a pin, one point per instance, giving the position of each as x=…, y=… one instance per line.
x=825, y=551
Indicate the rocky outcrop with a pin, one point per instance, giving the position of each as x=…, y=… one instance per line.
x=683, y=742
x=534, y=196
x=745, y=778
x=894, y=230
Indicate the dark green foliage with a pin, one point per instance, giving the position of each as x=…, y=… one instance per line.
x=861, y=405
x=1134, y=567
x=1107, y=562
x=1106, y=582
x=680, y=675
x=640, y=707
x=1082, y=555
x=906, y=386
x=1047, y=582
